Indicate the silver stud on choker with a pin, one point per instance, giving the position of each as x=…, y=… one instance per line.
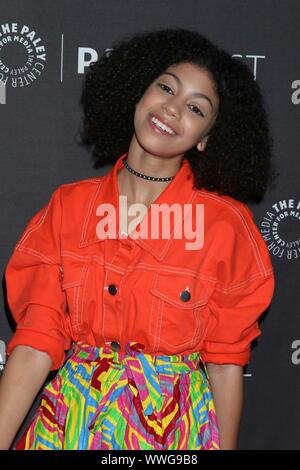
x=140, y=175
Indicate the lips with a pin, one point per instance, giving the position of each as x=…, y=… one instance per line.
x=163, y=121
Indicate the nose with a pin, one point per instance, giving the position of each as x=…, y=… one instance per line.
x=172, y=108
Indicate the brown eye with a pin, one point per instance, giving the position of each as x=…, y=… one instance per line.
x=198, y=111
x=164, y=87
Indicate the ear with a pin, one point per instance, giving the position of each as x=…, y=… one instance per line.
x=201, y=145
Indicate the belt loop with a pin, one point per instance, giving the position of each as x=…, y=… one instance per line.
x=203, y=367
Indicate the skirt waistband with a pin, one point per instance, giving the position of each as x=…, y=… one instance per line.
x=144, y=372
x=135, y=349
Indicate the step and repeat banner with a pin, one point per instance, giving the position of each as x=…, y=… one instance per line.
x=45, y=50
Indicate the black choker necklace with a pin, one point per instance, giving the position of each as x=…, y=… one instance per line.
x=151, y=178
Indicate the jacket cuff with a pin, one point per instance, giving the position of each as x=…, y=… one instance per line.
x=40, y=341
x=240, y=359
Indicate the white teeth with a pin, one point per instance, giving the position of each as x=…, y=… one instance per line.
x=162, y=126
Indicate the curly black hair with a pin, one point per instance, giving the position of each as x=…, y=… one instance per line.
x=237, y=160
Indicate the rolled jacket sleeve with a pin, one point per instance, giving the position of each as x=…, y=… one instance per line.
x=243, y=292
x=235, y=313
x=34, y=291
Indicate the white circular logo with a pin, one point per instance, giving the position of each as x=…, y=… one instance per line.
x=22, y=55
x=278, y=228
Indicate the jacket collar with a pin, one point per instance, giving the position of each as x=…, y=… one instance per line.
x=179, y=191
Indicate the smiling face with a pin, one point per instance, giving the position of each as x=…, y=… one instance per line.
x=176, y=111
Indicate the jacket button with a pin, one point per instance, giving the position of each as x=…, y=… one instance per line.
x=115, y=346
x=185, y=296
x=112, y=289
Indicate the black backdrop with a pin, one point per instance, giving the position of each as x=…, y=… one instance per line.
x=40, y=114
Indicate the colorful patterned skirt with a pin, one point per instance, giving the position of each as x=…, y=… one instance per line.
x=102, y=399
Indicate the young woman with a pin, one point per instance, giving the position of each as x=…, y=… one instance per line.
x=148, y=332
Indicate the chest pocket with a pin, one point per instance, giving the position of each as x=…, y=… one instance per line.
x=176, y=319
x=74, y=278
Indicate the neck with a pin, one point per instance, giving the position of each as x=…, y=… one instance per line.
x=141, y=190
x=153, y=165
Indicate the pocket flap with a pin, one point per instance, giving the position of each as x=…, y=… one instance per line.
x=73, y=274
x=169, y=287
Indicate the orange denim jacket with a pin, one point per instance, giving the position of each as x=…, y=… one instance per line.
x=65, y=284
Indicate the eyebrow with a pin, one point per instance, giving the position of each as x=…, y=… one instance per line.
x=196, y=93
